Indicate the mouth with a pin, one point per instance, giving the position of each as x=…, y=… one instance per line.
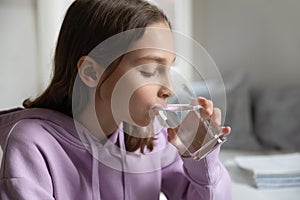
x=161, y=112
x=154, y=110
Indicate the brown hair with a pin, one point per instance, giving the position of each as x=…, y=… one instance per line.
x=87, y=23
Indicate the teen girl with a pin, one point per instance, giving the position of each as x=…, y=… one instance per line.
x=89, y=135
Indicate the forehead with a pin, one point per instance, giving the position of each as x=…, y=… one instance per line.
x=156, y=45
x=151, y=55
x=157, y=36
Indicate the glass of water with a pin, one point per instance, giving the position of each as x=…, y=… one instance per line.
x=186, y=118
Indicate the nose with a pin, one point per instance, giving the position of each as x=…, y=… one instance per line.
x=166, y=89
x=165, y=92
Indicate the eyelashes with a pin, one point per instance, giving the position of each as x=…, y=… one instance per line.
x=151, y=71
x=147, y=74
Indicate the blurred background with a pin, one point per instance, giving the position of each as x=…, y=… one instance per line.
x=254, y=43
x=260, y=37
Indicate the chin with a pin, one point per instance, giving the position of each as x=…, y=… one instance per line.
x=142, y=123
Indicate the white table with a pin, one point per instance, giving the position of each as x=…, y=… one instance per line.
x=242, y=185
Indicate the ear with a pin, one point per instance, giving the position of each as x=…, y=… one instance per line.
x=89, y=71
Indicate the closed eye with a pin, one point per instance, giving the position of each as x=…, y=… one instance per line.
x=148, y=74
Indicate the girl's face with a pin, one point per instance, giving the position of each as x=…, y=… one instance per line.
x=140, y=81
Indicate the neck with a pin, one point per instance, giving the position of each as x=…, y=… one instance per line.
x=100, y=124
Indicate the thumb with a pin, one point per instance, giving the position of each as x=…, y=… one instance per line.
x=175, y=141
x=171, y=134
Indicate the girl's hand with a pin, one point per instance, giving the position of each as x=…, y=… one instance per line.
x=191, y=134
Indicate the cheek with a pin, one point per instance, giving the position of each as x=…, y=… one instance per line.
x=140, y=103
x=143, y=97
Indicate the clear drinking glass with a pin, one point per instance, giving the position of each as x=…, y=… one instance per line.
x=174, y=115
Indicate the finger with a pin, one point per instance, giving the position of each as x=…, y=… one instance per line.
x=226, y=130
x=175, y=141
x=216, y=117
x=207, y=106
x=171, y=134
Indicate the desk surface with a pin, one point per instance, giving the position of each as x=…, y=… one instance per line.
x=242, y=185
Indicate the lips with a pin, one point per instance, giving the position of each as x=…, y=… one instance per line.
x=154, y=110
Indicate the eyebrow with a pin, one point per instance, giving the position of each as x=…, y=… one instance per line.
x=157, y=59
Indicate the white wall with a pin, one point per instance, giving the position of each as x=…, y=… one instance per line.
x=260, y=36
x=49, y=16
x=29, y=30
x=18, y=75
x=180, y=14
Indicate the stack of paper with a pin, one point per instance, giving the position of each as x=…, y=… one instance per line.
x=272, y=171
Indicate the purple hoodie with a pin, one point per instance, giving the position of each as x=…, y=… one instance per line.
x=46, y=155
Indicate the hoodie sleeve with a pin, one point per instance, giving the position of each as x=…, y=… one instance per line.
x=24, y=175
x=190, y=179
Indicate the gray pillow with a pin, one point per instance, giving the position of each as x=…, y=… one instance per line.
x=239, y=115
x=277, y=116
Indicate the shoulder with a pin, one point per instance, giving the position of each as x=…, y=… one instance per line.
x=29, y=131
x=44, y=133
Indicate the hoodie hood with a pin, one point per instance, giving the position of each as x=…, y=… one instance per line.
x=108, y=153
x=66, y=143
x=9, y=118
